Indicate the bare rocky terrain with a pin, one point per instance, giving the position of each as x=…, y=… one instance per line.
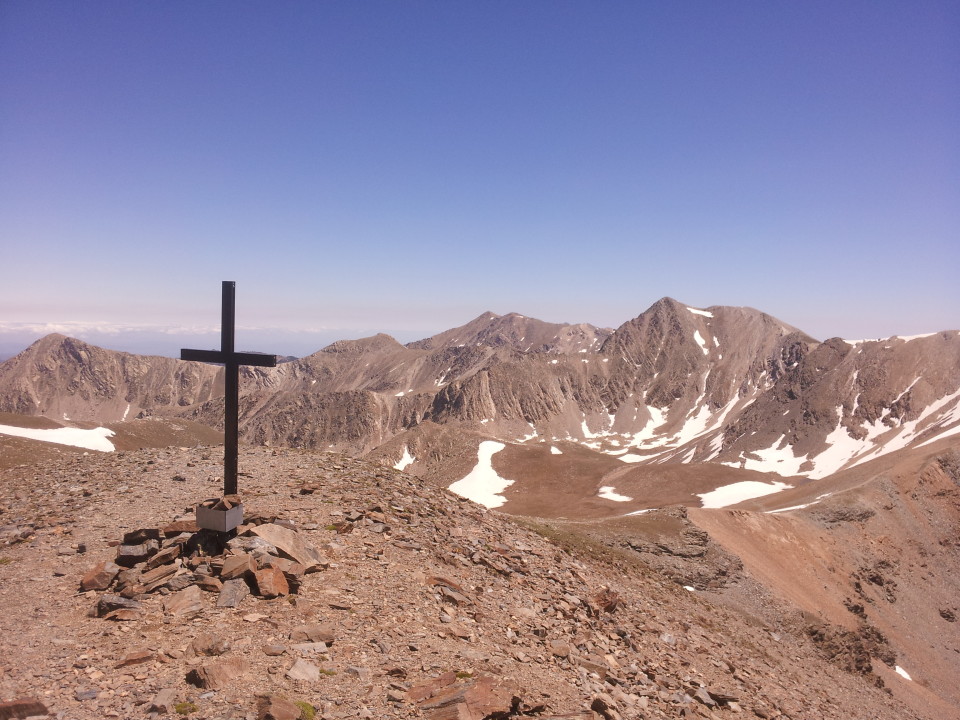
x=604, y=585
x=422, y=604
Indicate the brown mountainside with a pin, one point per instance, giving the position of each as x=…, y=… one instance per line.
x=64, y=378
x=676, y=384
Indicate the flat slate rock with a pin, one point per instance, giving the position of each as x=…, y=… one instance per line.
x=232, y=593
x=274, y=707
x=100, y=576
x=304, y=670
x=186, y=602
x=289, y=543
x=218, y=674
x=22, y=708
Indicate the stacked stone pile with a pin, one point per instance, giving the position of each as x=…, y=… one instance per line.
x=179, y=561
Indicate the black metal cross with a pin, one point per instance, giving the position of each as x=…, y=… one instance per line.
x=231, y=381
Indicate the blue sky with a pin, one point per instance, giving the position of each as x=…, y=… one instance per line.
x=405, y=166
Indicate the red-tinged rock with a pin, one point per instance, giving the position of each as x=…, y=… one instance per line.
x=100, y=576
x=475, y=700
x=606, y=600
x=219, y=674
x=164, y=701
x=210, y=644
x=158, y=576
x=127, y=578
x=303, y=670
x=271, y=583
x=184, y=603
x=136, y=658
x=290, y=543
x=273, y=707
x=167, y=555
x=426, y=690
x=292, y=571
x=237, y=566
x=460, y=630
x=559, y=648
x=207, y=583
x=141, y=535
x=316, y=632
x=110, y=603
x=130, y=555
x=22, y=708
x=288, y=566
x=179, y=527
x=590, y=662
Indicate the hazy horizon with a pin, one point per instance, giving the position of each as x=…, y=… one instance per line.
x=167, y=341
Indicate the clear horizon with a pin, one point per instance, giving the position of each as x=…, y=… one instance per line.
x=403, y=168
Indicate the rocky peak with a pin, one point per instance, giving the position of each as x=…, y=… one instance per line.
x=376, y=343
x=517, y=332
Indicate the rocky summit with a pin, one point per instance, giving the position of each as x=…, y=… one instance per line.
x=354, y=590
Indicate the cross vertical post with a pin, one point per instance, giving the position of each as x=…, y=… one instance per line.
x=231, y=361
x=231, y=388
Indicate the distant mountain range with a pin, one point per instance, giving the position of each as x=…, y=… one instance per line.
x=729, y=387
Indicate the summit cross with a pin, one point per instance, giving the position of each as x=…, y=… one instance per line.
x=231, y=362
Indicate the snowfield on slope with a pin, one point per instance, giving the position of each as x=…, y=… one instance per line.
x=94, y=439
x=483, y=484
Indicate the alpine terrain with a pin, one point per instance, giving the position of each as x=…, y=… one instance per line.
x=701, y=513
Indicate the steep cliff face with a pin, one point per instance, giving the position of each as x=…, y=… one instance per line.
x=846, y=403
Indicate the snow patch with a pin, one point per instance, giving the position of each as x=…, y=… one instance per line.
x=555, y=450
x=700, y=341
x=608, y=492
x=902, y=673
x=406, y=460
x=95, y=439
x=738, y=492
x=705, y=313
x=483, y=484
x=531, y=436
x=788, y=509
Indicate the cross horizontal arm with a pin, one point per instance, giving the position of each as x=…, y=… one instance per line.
x=207, y=356
x=255, y=358
x=237, y=358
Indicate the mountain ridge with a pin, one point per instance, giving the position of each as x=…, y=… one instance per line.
x=675, y=384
